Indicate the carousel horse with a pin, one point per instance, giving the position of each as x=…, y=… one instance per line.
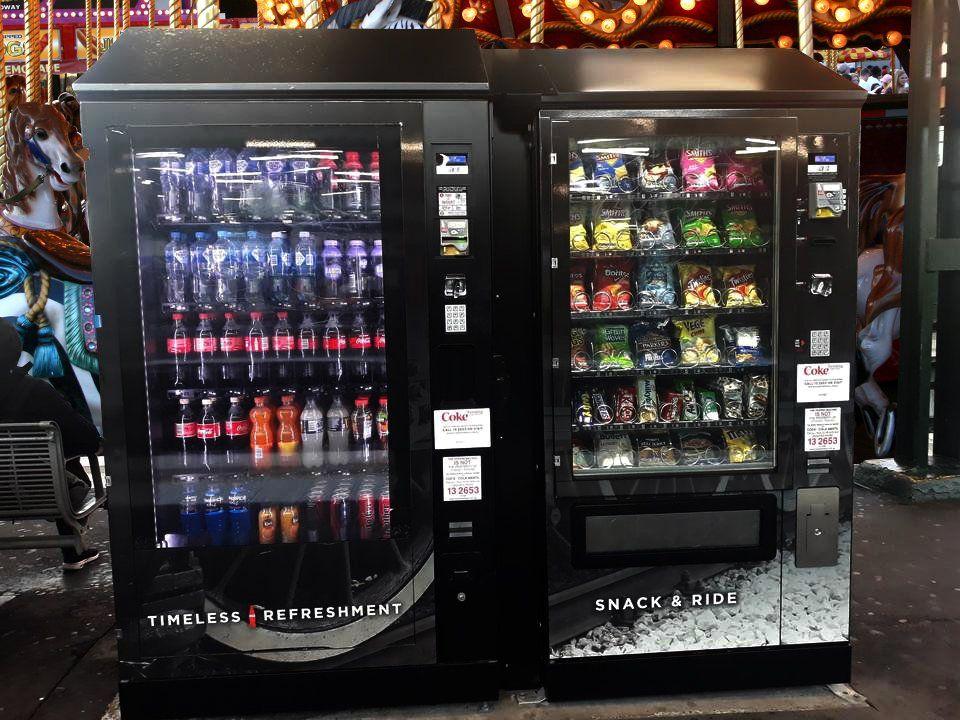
x=879, y=270
x=44, y=269
x=379, y=15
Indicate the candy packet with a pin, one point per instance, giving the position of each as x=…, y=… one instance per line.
x=709, y=405
x=602, y=410
x=647, y=403
x=612, y=228
x=625, y=405
x=583, y=409
x=612, y=285
x=741, y=445
x=657, y=449
x=689, y=411
x=740, y=286
x=614, y=452
x=653, y=344
x=696, y=285
x=741, y=344
x=743, y=173
x=583, y=457
x=699, y=230
x=579, y=240
x=740, y=226
x=730, y=390
x=699, y=168
x=699, y=448
x=579, y=297
x=758, y=395
x=671, y=406
x=656, y=286
x=656, y=174
x=612, y=348
x=579, y=349
x=655, y=231
x=698, y=341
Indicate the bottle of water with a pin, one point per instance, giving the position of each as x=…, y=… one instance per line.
x=280, y=263
x=255, y=265
x=326, y=186
x=191, y=513
x=338, y=430
x=249, y=182
x=272, y=171
x=224, y=203
x=305, y=269
x=171, y=188
x=176, y=259
x=202, y=271
x=357, y=283
x=226, y=269
x=199, y=186
x=312, y=433
x=301, y=189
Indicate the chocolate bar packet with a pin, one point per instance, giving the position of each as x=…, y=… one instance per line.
x=625, y=405
x=579, y=349
x=699, y=448
x=758, y=395
x=741, y=445
x=688, y=399
x=602, y=410
x=709, y=406
x=730, y=390
x=583, y=409
x=647, y=403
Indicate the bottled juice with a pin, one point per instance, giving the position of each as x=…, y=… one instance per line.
x=261, y=431
x=288, y=426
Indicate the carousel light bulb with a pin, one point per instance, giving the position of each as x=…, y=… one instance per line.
x=839, y=41
x=587, y=17
x=469, y=14
x=821, y=6
x=572, y=4
x=688, y=4
x=641, y=3
x=297, y=3
x=526, y=9
x=866, y=6
x=292, y=23
x=560, y=47
x=608, y=25
x=761, y=2
x=629, y=16
x=842, y=14
x=283, y=8
x=665, y=44
x=785, y=41
x=894, y=37
x=269, y=15
x=612, y=46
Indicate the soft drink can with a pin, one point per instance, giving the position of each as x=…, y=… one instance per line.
x=366, y=513
x=290, y=523
x=267, y=525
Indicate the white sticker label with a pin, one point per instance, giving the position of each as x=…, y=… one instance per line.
x=461, y=478
x=823, y=382
x=819, y=343
x=466, y=428
x=821, y=429
x=455, y=318
x=822, y=169
x=452, y=201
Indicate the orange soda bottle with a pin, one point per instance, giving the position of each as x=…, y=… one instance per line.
x=288, y=426
x=261, y=431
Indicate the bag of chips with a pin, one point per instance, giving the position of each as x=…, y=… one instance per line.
x=579, y=240
x=578, y=176
x=612, y=348
x=758, y=396
x=709, y=406
x=614, y=452
x=655, y=231
x=583, y=457
x=579, y=297
x=696, y=285
x=655, y=285
x=583, y=409
x=699, y=169
x=657, y=175
x=698, y=341
x=740, y=226
x=741, y=445
x=731, y=397
x=653, y=344
x=699, y=230
x=612, y=228
x=579, y=350
x=657, y=449
x=610, y=174
x=741, y=344
x=699, y=448
x=647, y=403
x=743, y=173
x=625, y=405
x=612, y=285
x=740, y=286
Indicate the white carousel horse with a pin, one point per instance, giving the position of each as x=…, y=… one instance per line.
x=44, y=165
x=379, y=15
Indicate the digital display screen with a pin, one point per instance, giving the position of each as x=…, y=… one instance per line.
x=825, y=159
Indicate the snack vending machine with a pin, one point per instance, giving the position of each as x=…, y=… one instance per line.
x=292, y=270
x=697, y=264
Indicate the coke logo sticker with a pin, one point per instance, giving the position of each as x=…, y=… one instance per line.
x=461, y=428
x=823, y=382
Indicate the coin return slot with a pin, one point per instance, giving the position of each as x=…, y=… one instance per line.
x=460, y=529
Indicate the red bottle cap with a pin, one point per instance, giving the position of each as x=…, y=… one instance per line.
x=228, y=316
x=287, y=399
x=260, y=401
x=383, y=400
x=178, y=316
x=256, y=315
x=282, y=315
x=205, y=316
x=362, y=401
x=352, y=156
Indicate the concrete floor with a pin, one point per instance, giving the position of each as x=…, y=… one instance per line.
x=57, y=655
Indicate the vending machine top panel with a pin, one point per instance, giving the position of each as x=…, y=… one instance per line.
x=696, y=77
x=374, y=63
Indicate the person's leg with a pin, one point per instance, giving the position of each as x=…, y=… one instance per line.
x=80, y=486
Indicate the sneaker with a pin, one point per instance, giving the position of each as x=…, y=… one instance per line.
x=82, y=560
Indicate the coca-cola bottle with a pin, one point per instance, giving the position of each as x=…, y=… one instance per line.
x=205, y=346
x=209, y=433
x=256, y=344
x=360, y=344
x=307, y=345
x=231, y=351
x=283, y=347
x=334, y=343
x=179, y=345
x=380, y=347
x=361, y=428
x=236, y=429
x=185, y=433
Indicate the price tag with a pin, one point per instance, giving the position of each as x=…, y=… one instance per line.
x=821, y=429
x=461, y=478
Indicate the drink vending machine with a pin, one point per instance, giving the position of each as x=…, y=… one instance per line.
x=291, y=251
x=695, y=353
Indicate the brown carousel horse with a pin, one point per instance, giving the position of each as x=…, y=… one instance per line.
x=44, y=267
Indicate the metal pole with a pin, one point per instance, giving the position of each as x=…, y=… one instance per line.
x=31, y=40
x=208, y=14
x=919, y=287
x=176, y=14
x=738, y=18
x=87, y=30
x=434, y=18
x=311, y=14
x=805, y=26
x=49, y=50
x=536, y=21
x=3, y=99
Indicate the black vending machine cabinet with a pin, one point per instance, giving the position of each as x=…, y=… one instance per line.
x=696, y=216
x=291, y=249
